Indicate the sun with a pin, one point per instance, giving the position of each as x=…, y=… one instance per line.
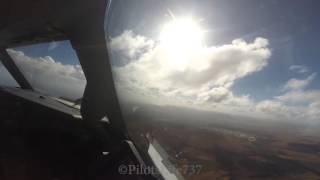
x=180, y=38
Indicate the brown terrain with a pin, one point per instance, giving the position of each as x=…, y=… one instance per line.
x=205, y=146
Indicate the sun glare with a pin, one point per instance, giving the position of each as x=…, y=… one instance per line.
x=180, y=38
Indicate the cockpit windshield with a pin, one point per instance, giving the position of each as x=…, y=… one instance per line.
x=51, y=68
x=5, y=77
x=228, y=87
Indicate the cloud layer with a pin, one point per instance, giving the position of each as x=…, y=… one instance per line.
x=206, y=72
x=204, y=77
x=50, y=76
x=144, y=70
x=299, y=84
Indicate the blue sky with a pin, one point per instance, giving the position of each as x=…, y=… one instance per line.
x=291, y=27
x=52, y=68
x=61, y=51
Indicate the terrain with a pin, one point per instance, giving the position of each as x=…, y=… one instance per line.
x=205, y=145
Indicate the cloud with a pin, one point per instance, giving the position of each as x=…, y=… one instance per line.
x=272, y=107
x=299, y=84
x=130, y=47
x=296, y=92
x=215, y=95
x=206, y=68
x=221, y=66
x=304, y=104
x=52, y=46
x=300, y=103
x=50, y=76
x=224, y=98
x=314, y=109
x=279, y=110
x=202, y=77
x=300, y=96
x=299, y=69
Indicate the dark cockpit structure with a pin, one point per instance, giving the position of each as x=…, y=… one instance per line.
x=43, y=137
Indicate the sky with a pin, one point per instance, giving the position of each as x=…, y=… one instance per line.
x=51, y=68
x=258, y=58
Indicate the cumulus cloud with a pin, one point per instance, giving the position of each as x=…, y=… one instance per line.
x=221, y=97
x=204, y=69
x=278, y=109
x=300, y=96
x=296, y=92
x=299, y=69
x=50, y=76
x=299, y=84
x=202, y=77
x=299, y=102
x=304, y=107
x=130, y=47
x=272, y=107
x=215, y=95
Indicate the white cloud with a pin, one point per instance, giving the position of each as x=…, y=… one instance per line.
x=50, y=76
x=314, y=109
x=224, y=98
x=272, y=107
x=296, y=93
x=300, y=96
x=279, y=110
x=299, y=69
x=300, y=103
x=299, y=84
x=215, y=95
x=129, y=46
x=203, y=70
x=202, y=77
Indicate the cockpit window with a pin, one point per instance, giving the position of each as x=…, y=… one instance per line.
x=231, y=88
x=52, y=68
x=5, y=77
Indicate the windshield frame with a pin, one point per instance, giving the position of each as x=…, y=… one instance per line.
x=13, y=69
x=89, y=44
